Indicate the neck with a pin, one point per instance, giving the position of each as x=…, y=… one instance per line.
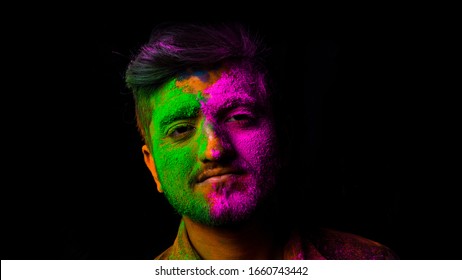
x=253, y=240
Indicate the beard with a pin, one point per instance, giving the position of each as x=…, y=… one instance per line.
x=237, y=202
x=229, y=203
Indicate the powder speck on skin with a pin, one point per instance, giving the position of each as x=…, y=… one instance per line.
x=216, y=154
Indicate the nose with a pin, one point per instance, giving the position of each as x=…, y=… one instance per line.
x=214, y=145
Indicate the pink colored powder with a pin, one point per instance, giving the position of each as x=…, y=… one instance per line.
x=240, y=87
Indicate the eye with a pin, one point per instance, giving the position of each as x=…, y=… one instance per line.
x=181, y=131
x=241, y=119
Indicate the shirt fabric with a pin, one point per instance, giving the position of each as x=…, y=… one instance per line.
x=319, y=244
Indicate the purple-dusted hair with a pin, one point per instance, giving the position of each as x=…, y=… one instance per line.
x=176, y=47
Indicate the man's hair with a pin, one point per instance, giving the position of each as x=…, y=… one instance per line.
x=175, y=47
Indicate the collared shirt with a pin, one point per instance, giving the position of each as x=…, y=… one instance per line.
x=319, y=244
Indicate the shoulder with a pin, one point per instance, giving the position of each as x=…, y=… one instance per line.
x=339, y=245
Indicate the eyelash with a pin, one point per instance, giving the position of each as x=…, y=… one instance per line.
x=183, y=130
x=242, y=119
x=173, y=132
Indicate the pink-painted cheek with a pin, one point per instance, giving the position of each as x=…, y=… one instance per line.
x=234, y=89
x=240, y=198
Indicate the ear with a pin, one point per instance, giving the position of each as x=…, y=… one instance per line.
x=149, y=161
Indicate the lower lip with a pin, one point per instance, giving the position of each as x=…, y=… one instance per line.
x=217, y=179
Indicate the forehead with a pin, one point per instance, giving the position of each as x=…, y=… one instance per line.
x=198, y=80
x=237, y=79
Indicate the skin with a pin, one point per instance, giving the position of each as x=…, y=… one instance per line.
x=214, y=153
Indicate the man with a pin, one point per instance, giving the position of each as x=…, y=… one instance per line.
x=207, y=109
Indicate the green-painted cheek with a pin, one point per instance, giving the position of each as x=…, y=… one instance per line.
x=177, y=162
x=175, y=167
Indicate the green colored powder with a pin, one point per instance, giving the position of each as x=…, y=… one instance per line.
x=176, y=159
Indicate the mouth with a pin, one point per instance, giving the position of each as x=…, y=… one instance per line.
x=217, y=175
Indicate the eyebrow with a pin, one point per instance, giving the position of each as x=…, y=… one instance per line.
x=184, y=110
x=219, y=107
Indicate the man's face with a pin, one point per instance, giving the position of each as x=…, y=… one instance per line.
x=213, y=144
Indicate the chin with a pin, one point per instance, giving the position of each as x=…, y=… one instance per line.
x=237, y=209
x=230, y=220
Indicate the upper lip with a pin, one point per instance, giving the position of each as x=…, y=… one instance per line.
x=208, y=173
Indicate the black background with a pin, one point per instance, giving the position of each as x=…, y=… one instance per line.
x=375, y=126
